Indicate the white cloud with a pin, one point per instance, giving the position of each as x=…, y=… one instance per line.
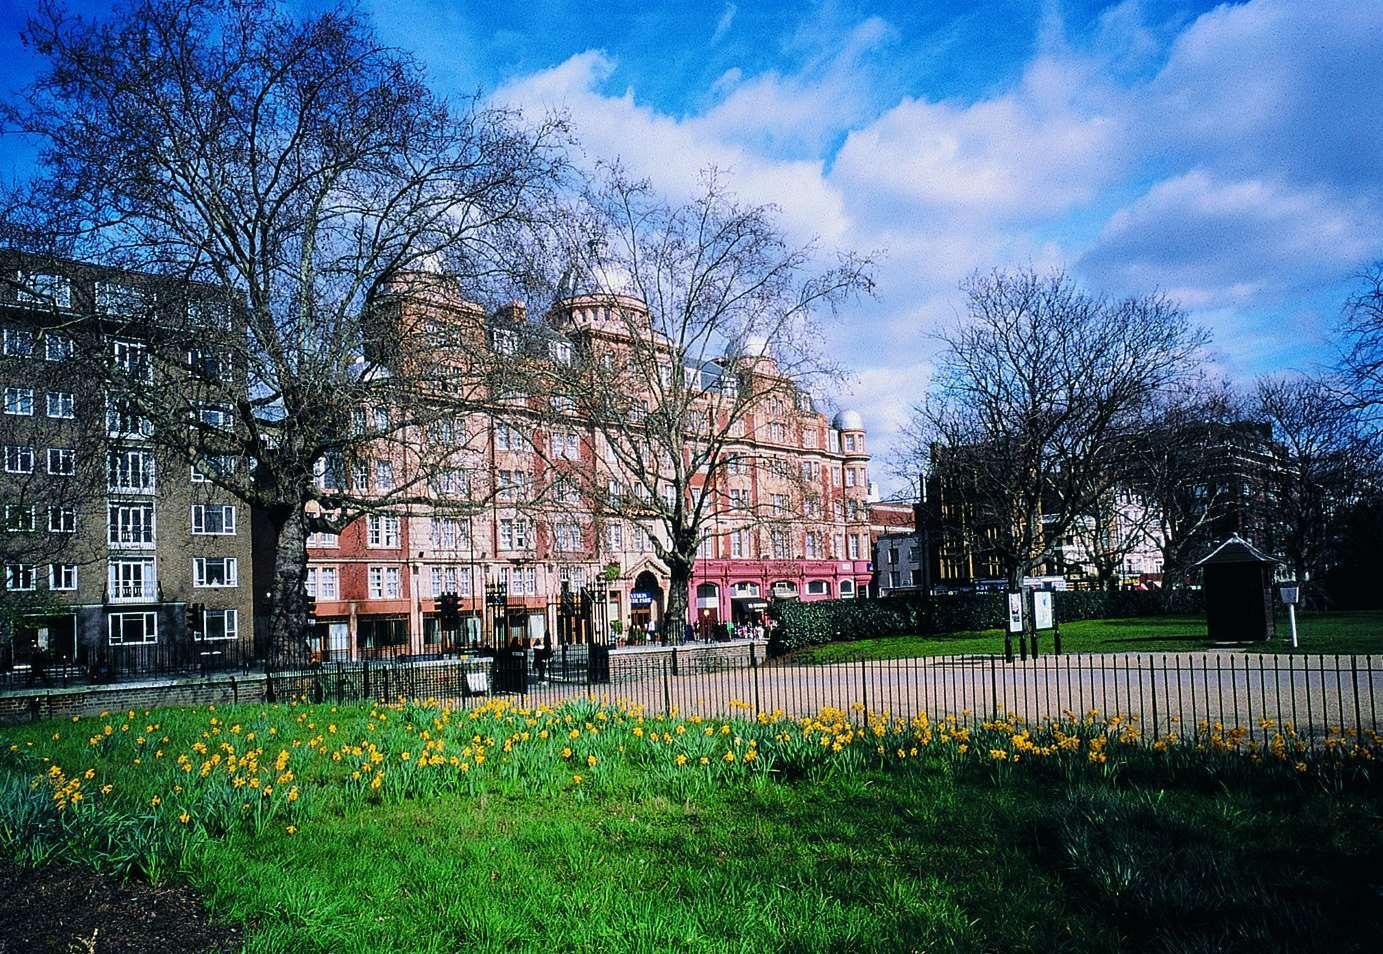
x=1231, y=162
x=727, y=17
x=1213, y=242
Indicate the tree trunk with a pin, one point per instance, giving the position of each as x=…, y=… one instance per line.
x=288, y=620
x=679, y=584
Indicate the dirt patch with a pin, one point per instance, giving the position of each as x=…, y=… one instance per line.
x=62, y=909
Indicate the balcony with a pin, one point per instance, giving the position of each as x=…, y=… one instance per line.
x=131, y=538
x=134, y=591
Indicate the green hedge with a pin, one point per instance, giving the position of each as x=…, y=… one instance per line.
x=825, y=621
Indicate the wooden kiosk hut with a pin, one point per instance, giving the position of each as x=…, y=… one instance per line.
x=1238, y=580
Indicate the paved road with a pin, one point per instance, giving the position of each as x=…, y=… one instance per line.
x=1165, y=691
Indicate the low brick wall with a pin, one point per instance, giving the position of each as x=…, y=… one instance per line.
x=92, y=700
x=696, y=657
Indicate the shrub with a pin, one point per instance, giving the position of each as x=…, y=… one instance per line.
x=824, y=621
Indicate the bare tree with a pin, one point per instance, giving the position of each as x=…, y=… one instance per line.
x=697, y=353
x=1330, y=464
x=1363, y=360
x=273, y=185
x=1174, y=467
x=1033, y=402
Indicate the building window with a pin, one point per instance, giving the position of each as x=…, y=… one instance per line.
x=449, y=533
x=61, y=405
x=384, y=583
x=849, y=476
x=451, y=482
x=62, y=461
x=119, y=298
x=220, y=624
x=62, y=576
x=812, y=543
x=818, y=588
x=778, y=541
x=215, y=571
x=57, y=347
x=212, y=466
x=42, y=288
x=133, y=628
x=132, y=580
x=614, y=535
x=131, y=525
x=19, y=459
x=324, y=540
x=322, y=582
x=854, y=544
x=444, y=579
x=513, y=534
x=560, y=352
x=382, y=531
x=62, y=520
x=508, y=438
x=122, y=420
x=567, y=537
x=384, y=475
x=505, y=341
x=523, y=580
x=132, y=360
x=131, y=471
x=739, y=543
x=382, y=423
x=19, y=518
x=19, y=401
x=19, y=576
x=847, y=588
x=17, y=343
x=565, y=446
x=213, y=519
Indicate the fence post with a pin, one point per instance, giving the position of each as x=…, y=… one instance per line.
x=864, y=691
x=993, y=689
x=674, y=660
x=667, y=689
x=1152, y=681
x=754, y=666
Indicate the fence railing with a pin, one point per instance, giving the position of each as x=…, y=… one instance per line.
x=1166, y=694
x=1178, y=695
x=38, y=670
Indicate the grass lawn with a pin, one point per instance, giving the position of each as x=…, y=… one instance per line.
x=1353, y=632
x=594, y=829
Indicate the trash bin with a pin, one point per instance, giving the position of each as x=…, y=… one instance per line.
x=511, y=671
x=598, y=665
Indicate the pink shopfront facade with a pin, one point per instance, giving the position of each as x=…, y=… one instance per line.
x=739, y=591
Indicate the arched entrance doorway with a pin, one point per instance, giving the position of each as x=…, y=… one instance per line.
x=645, y=607
x=707, y=609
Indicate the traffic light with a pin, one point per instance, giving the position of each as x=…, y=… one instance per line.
x=449, y=606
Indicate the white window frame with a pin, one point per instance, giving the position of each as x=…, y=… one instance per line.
x=19, y=402
x=119, y=533
x=19, y=459
x=384, y=582
x=65, y=519
x=17, y=574
x=199, y=519
x=230, y=567
x=382, y=531
x=65, y=403
x=230, y=625
x=62, y=577
x=150, y=628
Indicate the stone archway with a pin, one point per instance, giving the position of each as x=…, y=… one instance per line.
x=646, y=602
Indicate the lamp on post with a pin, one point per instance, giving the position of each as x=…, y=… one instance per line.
x=1290, y=593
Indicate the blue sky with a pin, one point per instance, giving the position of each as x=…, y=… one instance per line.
x=1228, y=155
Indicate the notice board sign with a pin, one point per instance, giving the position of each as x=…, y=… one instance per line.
x=1015, y=612
x=1042, y=609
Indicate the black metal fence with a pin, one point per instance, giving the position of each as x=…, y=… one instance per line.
x=1164, y=695
x=1167, y=694
x=36, y=669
